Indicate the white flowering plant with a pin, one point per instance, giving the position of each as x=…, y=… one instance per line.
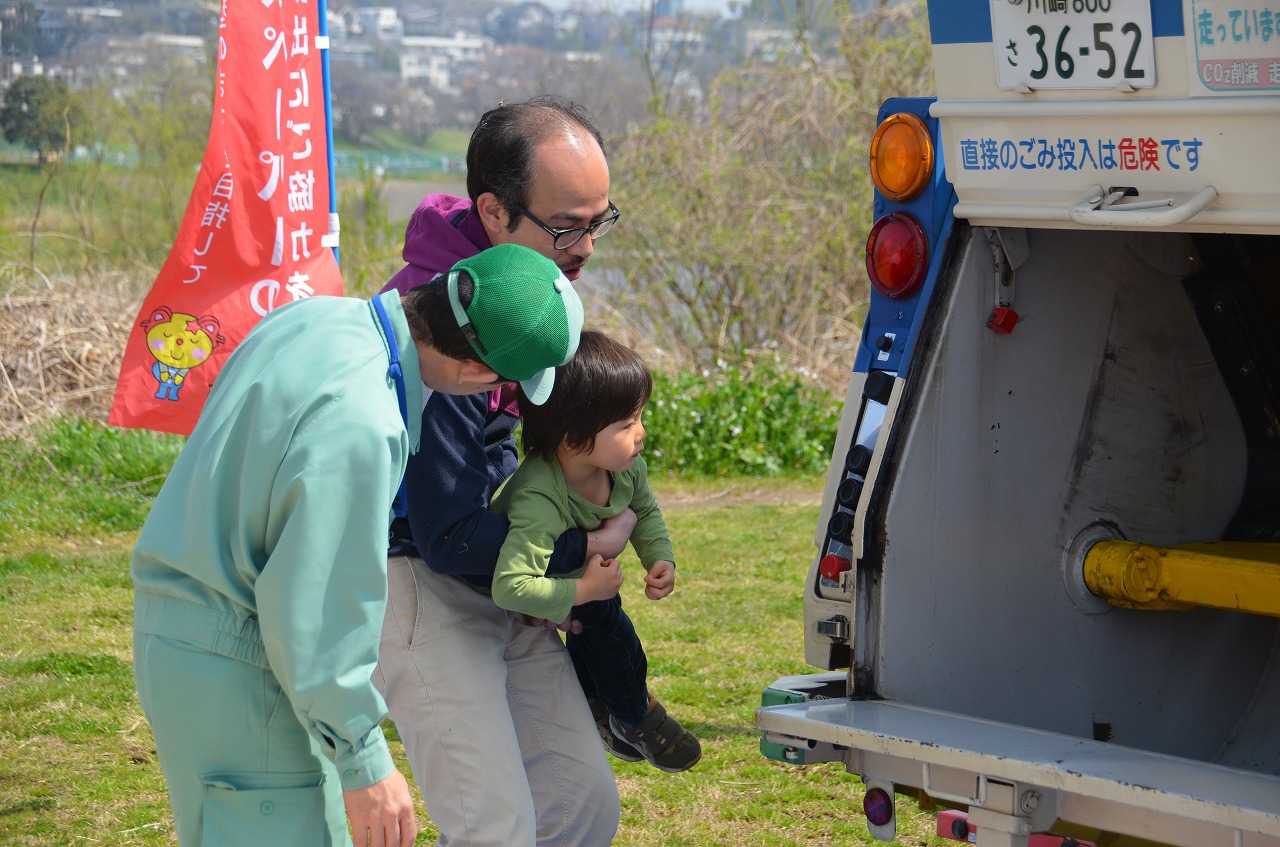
x=758, y=418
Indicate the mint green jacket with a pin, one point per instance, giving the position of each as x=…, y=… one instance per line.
x=540, y=505
x=268, y=540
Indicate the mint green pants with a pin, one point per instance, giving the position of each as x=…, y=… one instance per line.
x=241, y=769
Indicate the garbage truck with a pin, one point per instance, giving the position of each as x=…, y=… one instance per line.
x=1045, y=594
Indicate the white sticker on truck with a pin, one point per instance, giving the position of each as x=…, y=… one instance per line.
x=1233, y=46
x=1073, y=44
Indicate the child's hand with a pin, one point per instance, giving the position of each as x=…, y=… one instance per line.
x=566, y=625
x=660, y=580
x=600, y=581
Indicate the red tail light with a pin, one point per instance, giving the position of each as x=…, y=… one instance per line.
x=897, y=255
x=832, y=566
x=877, y=804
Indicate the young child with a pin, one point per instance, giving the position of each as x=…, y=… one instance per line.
x=582, y=464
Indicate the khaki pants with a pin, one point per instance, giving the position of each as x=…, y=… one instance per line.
x=241, y=769
x=494, y=722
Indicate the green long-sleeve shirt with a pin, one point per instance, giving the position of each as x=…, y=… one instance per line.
x=540, y=505
x=268, y=541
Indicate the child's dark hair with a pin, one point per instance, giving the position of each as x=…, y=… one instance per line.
x=604, y=382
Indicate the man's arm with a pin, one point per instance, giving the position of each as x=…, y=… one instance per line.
x=321, y=592
x=447, y=485
x=381, y=815
x=610, y=538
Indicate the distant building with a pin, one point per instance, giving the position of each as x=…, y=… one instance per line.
x=668, y=8
x=770, y=45
x=433, y=59
x=122, y=60
x=444, y=18
x=191, y=48
x=64, y=28
x=676, y=36
x=11, y=70
x=378, y=22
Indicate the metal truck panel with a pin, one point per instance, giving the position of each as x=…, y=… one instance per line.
x=1105, y=405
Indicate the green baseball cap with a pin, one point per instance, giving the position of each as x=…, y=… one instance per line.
x=524, y=318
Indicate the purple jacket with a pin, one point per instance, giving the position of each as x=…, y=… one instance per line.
x=467, y=446
x=441, y=232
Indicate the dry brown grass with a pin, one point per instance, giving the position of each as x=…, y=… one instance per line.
x=60, y=353
x=61, y=348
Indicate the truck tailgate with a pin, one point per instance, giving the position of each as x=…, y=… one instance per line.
x=1043, y=777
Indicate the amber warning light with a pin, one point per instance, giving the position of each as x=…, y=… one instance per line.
x=901, y=157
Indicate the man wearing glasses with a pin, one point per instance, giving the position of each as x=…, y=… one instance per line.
x=498, y=732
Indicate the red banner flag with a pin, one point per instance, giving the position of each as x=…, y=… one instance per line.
x=254, y=236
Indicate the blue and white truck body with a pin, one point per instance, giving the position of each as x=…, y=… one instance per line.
x=1046, y=589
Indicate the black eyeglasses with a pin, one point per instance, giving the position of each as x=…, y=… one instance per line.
x=563, y=239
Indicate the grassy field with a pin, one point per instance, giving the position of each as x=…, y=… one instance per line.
x=80, y=766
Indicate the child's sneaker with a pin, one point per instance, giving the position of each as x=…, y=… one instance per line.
x=615, y=745
x=661, y=739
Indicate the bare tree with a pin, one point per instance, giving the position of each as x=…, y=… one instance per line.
x=744, y=228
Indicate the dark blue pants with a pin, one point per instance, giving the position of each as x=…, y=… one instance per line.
x=610, y=660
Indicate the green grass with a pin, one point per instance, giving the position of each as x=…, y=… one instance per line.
x=441, y=142
x=122, y=219
x=79, y=480
x=80, y=766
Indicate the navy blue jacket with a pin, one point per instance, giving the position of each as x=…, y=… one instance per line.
x=468, y=446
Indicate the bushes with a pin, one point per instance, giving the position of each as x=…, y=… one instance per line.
x=757, y=418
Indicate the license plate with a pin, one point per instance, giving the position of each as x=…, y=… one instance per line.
x=1073, y=43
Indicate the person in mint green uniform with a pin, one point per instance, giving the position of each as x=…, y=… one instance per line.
x=260, y=574
x=583, y=466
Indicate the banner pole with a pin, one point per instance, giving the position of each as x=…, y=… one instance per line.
x=322, y=41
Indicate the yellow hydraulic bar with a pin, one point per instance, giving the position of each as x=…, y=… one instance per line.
x=1243, y=576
